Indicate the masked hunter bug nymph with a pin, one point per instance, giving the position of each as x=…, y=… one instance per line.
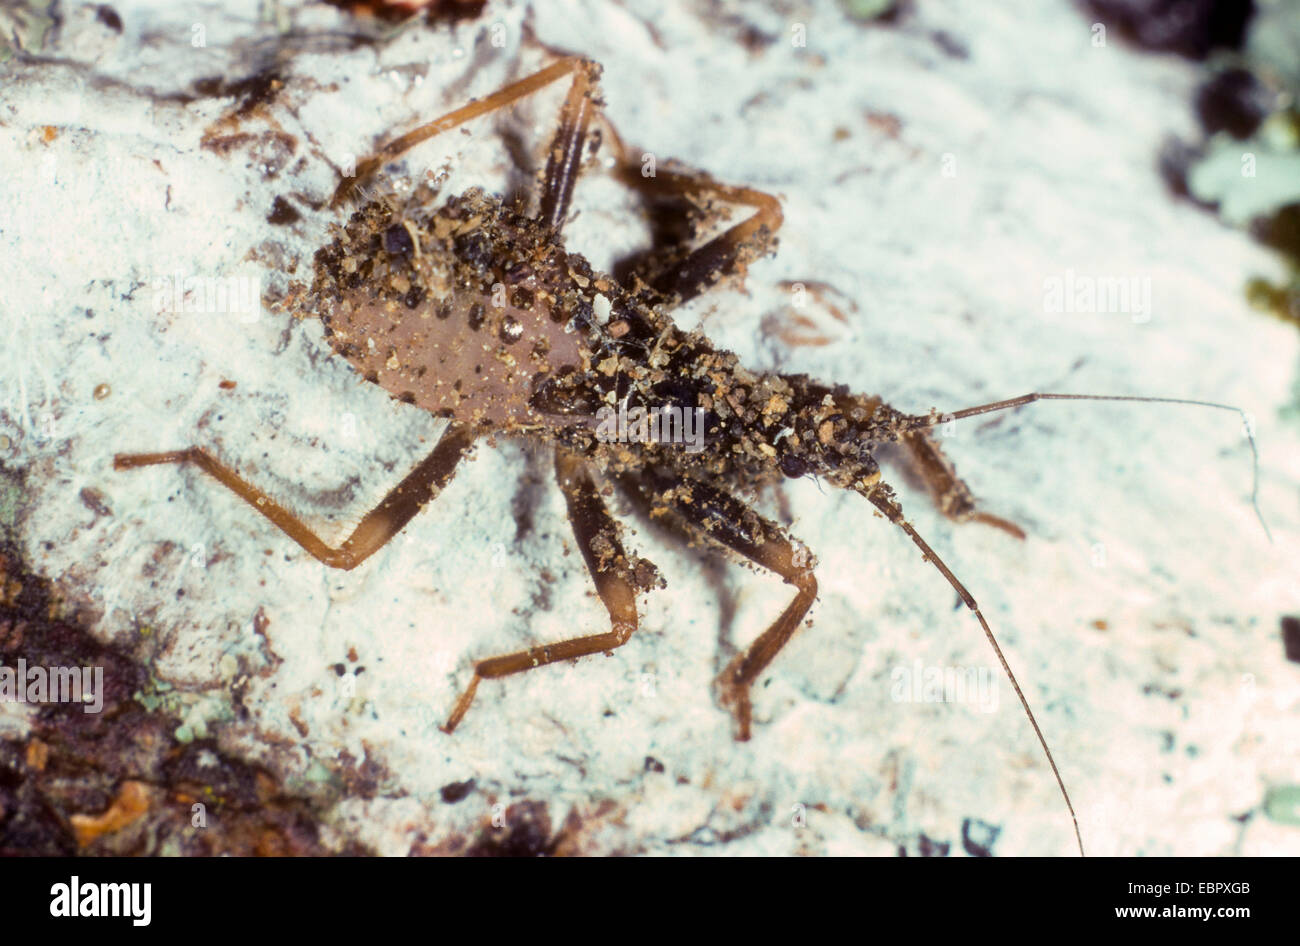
x=474, y=311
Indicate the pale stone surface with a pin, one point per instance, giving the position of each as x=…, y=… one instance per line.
x=958, y=187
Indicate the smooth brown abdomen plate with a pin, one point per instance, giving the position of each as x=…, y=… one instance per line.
x=462, y=357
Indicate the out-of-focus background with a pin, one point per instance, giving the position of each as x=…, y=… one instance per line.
x=980, y=201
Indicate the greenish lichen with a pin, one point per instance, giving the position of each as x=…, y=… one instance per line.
x=1282, y=804
x=24, y=25
x=11, y=502
x=864, y=10
x=1249, y=167
x=1253, y=178
x=194, y=710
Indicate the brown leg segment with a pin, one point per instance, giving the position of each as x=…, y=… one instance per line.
x=611, y=570
x=730, y=252
x=383, y=522
x=576, y=113
x=726, y=520
x=564, y=159
x=950, y=493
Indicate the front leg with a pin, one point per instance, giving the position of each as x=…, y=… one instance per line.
x=949, y=491
x=566, y=149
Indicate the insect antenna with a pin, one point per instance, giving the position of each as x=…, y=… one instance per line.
x=882, y=497
x=934, y=418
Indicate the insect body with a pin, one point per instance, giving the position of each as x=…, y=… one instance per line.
x=476, y=312
x=494, y=326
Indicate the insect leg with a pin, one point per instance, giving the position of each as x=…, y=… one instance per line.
x=564, y=158
x=610, y=568
x=730, y=252
x=950, y=493
x=586, y=70
x=383, y=522
x=729, y=522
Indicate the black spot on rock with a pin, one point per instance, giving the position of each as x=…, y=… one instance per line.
x=978, y=837
x=1191, y=28
x=108, y=16
x=1291, y=638
x=282, y=212
x=1233, y=101
x=456, y=791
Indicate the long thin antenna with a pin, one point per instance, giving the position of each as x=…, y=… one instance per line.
x=881, y=496
x=934, y=418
